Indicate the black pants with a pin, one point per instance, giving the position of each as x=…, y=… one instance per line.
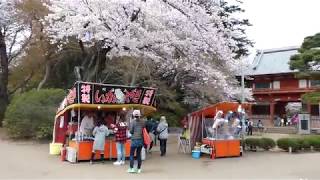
x=151, y=145
x=136, y=149
x=250, y=131
x=163, y=146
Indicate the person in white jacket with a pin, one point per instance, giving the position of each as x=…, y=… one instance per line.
x=100, y=132
x=162, y=129
x=87, y=124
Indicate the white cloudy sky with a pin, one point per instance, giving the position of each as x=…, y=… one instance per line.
x=280, y=23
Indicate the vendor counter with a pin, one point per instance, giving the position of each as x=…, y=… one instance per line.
x=224, y=148
x=84, y=149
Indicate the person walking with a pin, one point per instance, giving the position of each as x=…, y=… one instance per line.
x=120, y=131
x=136, y=129
x=250, y=128
x=285, y=120
x=163, y=135
x=99, y=132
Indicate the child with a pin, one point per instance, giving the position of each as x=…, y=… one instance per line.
x=120, y=131
x=99, y=133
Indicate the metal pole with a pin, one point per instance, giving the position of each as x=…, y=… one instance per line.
x=242, y=82
x=202, y=126
x=78, y=136
x=78, y=93
x=242, y=97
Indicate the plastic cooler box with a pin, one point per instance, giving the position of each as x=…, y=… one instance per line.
x=71, y=155
x=196, y=154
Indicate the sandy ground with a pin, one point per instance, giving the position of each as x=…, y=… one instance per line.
x=29, y=160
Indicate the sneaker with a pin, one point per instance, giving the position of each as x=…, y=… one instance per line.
x=131, y=170
x=117, y=163
x=138, y=171
x=122, y=162
x=91, y=162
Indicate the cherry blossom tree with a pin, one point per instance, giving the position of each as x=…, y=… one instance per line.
x=186, y=40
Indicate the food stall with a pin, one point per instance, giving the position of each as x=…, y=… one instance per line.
x=98, y=98
x=216, y=130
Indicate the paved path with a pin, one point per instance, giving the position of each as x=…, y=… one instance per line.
x=26, y=160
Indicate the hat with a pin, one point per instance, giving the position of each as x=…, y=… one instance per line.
x=136, y=113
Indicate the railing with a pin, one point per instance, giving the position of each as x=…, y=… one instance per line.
x=291, y=89
x=265, y=116
x=265, y=119
x=315, y=122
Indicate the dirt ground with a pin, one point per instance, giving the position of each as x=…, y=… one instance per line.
x=29, y=160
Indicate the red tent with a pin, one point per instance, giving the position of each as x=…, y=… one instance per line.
x=195, y=119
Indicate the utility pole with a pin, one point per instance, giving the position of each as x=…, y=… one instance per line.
x=242, y=82
x=242, y=97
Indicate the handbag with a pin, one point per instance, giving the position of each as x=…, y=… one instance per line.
x=146, y=137
x=161, y=132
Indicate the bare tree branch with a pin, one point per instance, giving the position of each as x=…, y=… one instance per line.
x=22, y=48
x=13, y=42
x=23, y=84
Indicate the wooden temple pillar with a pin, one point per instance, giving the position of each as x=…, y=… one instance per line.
x=272, y=106
x=309, y=108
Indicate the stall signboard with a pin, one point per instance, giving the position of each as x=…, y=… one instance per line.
x=94, y=93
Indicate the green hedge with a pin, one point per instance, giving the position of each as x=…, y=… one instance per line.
x=299, y=143
x=267, y=143
x=263, y=143
x=313, y=141
x=252, y=143
x=31, y=114
x=285, y=143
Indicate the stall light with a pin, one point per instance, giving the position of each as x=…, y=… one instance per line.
x=99, y=107
x=123, y=109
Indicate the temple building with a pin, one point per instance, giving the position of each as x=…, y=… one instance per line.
x=274, y=85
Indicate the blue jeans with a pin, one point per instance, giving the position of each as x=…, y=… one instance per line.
x=136, y=147
x=121, y=152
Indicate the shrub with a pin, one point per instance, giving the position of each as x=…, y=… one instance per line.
x=242, y=142
x=313, y=141
x=267, y=143
x=31, y=114
x=304, y=143
x=252, y=143
x=285, y=143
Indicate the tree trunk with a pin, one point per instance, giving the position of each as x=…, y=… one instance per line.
x=134, y=75
x=4, y=73
x=46, y=76
x=96, y=65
